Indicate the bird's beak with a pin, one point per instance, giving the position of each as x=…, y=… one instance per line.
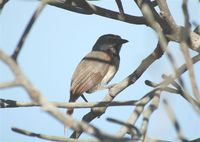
x=123, y=41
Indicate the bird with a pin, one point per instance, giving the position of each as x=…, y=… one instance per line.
x=97, y=68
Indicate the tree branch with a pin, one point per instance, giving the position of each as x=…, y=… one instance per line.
x=132, y=130
x=64, y=139
x=13, y=104
x=147, y=114
x=174, y=121
x=166, y=14
x=178, y=90
x=27, y=30
x=167, y=23
x=120, y=6
x=185, y=94
x=48, y=137
x=184, y=44
x=161, y=86
x=167, y=89
x=9, y=84
x=102, y=12
x=138, y=111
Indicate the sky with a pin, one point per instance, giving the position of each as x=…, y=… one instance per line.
x=59, y=40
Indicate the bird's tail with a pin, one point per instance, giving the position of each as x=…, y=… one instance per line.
x=70, y=110
x=73, y=98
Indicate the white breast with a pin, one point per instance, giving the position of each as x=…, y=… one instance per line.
x=111, y=72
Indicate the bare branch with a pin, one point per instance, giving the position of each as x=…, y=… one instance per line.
x=166, y=14
x=138, y=111
x=147, y=114
x=120, y=6
x=194, y=41
x=174, y=121
x=64, y=139
x=182, y=69
x=178, y=90
x=184, y=43
x=167, y=89
x=9, y=84
x=163, y=25
x=161, y=86
x=132, y=130
x=27, y=30
x=37, y=97
x=185, y=94
x=148, y=14
x=186, y=14
x=166, y=30
x=131, y=121
x=13, y=104
x=167, y=23
x=102, y=12
x=48, y=137
x=78, y=6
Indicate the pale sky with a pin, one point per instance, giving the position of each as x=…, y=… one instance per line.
x=58, y=41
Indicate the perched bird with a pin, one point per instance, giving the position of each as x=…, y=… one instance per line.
x=97, y=68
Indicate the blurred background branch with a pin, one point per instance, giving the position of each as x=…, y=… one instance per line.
x=158, y=17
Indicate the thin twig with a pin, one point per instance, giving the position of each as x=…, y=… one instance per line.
x=167, y=89
x=131, y=120
x=174, y=121
x=161, y=86
x=64, y=139
x=148, y=14
x=185, y=42
x=182, y=69
x=27, y=30
x=9, y=84
x=185, y=94
x=103, y=12
x=48, y=137
x=186, y=14
x=178, y=90
x=120, y=6
x=147, y=114
x=166, y=14
x=132, y=130
x=4, y=103
x=137, y=112
x=173, y=36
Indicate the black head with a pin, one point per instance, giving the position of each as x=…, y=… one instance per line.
x=109, y=41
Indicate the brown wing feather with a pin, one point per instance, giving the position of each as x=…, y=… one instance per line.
x=89, y=72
